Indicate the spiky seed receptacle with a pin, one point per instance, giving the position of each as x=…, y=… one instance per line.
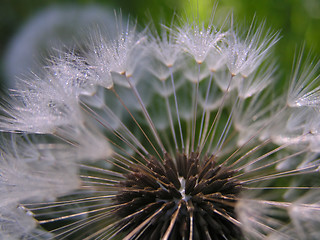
x=192, y=196
x=177, y=136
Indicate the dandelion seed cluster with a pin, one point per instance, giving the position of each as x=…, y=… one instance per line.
x=176, y=134
x=181, y=191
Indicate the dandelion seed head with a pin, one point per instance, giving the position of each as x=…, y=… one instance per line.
x=245, y=56
x=117, y=55
x=165, y=48
x=199, y=41
x=304, y=89
x=198, y=196
x=171, y=135
x=29, y=171
x=15, y=223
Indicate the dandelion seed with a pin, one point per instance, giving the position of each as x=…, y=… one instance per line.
x=169, y=136
x=245, y=56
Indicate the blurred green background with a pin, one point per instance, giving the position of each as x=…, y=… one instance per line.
x=298, y=20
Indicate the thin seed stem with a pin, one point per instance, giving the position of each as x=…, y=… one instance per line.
x=177, y=108
x=146, y=114
x=195, y=109
x=204, y=110
x=214, y=124
x=225, y=129
x=136, y=122
x=170, y=118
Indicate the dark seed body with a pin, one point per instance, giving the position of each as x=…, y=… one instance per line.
x=189, y=198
